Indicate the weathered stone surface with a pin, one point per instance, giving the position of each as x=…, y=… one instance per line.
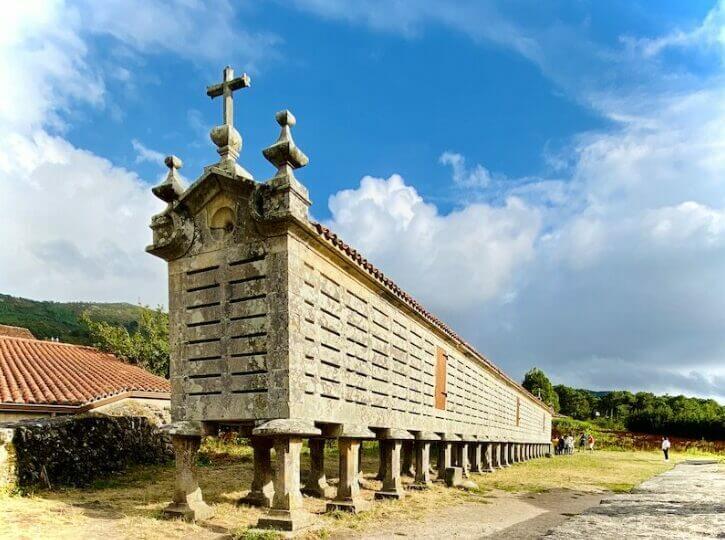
x=392, y=484
x=422, y=465
x=685, y=502
x=262, y=490
x=454, y=476
x=287, y=426
x=286, y=513
x=187, y=502
x=348, y=496
x=75, y=450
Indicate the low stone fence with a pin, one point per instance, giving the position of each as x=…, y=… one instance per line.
x=75, y=450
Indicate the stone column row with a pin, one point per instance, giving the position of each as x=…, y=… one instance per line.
x=278, y=488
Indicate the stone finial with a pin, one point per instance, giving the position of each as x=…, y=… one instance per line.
x=170, y=189
x=225, y=136
x=284, y=153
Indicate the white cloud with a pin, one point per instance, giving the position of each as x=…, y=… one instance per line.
x=620, y=281
x=709, y=34
x=476, y=177
x=75, y=225
x=144, y=154
x=459, y=260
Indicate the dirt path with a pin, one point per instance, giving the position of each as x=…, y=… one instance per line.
x=685, y=502
x=507, y=515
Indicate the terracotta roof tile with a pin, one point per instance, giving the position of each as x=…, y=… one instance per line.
x=361, y=261
x=48, y=373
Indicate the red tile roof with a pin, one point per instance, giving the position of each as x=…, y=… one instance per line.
x=361, y=261
x=15, y=331
x=47, y=373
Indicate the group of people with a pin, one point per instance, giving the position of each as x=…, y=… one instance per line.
x=565, y=444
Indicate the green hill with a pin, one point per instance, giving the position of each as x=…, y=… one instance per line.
x=62, y=319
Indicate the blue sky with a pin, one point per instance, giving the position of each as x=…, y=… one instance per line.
x=367, y=102
x=548, y=178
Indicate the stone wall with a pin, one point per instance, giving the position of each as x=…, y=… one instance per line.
x=362, y=357
x=75, y=450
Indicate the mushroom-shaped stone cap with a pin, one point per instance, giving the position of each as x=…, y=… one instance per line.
x=353, y=431
x=184, y=428
x=450, y=437
x=427, y=436
x=287, y=426
x=395, y=434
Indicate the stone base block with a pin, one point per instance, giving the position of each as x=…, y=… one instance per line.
x=454, y=476
x=285, y=520
x=353, y=506
x=389, y=494
x=197, y=512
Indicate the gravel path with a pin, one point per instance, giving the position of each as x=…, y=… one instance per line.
x=504, y=516
x=685, y=502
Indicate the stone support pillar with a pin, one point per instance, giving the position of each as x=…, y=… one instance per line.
x=381, y=465
x=440, y=459
x=475, y=457
x=488, y=457
x=187, y=501
x=515, y=452
x=407, y=467
x=316, y=484
x=392, y=483
x=422, y=459
x=349, y=443
x=286, y=512
x=464, y=464
x=495, y=458
x=447, y=455
x=505, y=455
x=262, y=490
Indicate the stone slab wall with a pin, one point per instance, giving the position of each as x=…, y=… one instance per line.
x=75, y=450
x=359, y=356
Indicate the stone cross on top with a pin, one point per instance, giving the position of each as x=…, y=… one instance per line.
x=225, y=136
x=225, y=88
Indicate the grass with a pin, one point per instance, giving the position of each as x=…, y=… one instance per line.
x=130, y=505
x=584, y=471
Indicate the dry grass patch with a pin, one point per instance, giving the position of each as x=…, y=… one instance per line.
x=130, y=505
x=583, y=471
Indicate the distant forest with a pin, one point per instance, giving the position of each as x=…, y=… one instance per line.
x=644, y=412
x=62, y=320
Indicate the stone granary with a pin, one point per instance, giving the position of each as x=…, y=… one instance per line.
x=278, y=326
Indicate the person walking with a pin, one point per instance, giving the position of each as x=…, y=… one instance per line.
x=666, y=448
x=590, y=440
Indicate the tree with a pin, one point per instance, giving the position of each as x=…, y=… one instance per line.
x=573, y=402
x=536, y=382
x=147, y=346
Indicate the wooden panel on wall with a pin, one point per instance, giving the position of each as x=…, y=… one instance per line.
x=440, y=389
